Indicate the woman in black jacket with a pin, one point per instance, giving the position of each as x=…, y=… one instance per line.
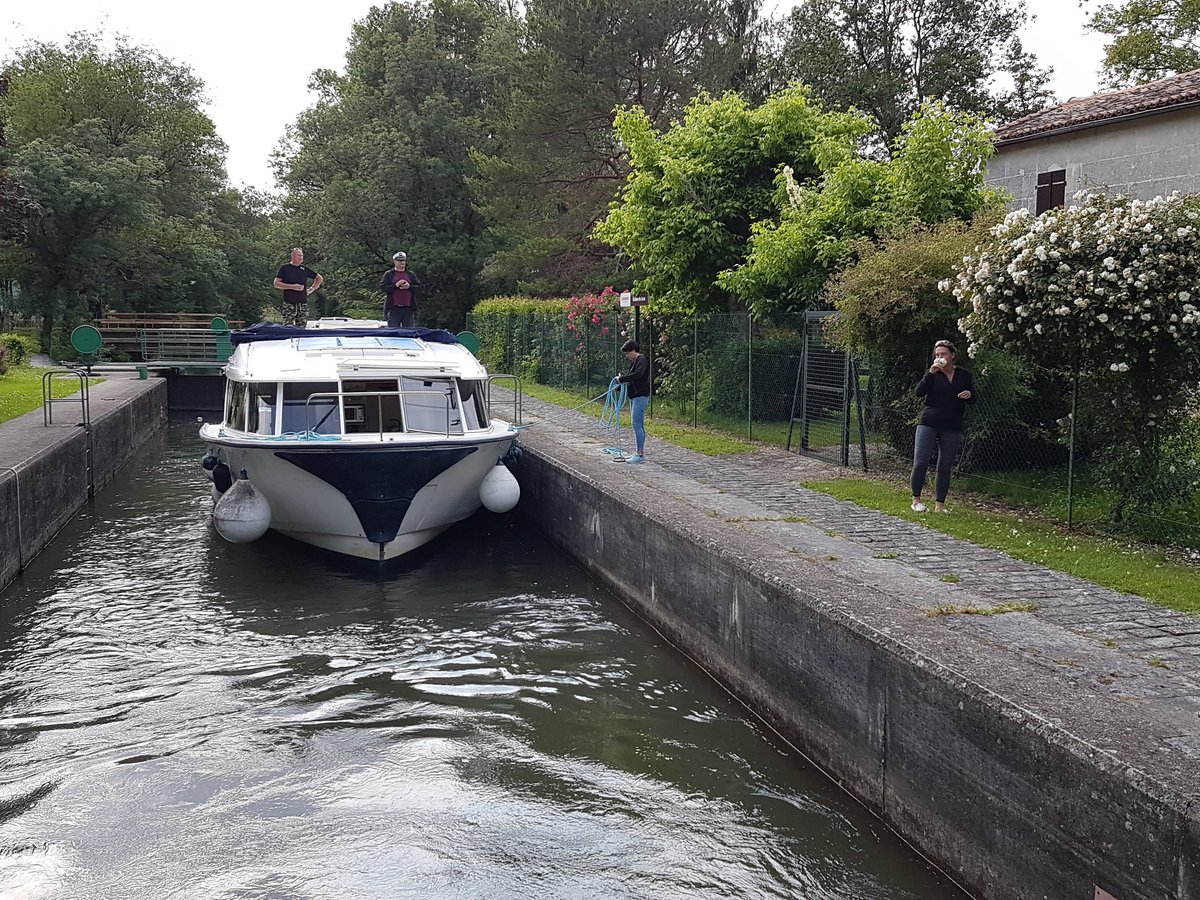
x=947, y=390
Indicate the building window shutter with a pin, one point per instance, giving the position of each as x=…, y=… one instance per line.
x=1051, y=190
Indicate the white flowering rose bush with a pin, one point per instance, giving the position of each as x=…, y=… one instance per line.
x=1108, y=288
x=1109, y=281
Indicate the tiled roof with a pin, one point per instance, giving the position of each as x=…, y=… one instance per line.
x=1156, y=96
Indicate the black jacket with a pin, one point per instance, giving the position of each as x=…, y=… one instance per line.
x=387, y=284
x=638, y=378
x=943, y=409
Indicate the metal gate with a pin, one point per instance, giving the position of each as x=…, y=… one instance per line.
x=827, y=404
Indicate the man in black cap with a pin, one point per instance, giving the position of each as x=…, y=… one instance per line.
x=401, y=286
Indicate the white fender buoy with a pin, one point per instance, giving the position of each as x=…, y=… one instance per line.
x=499, y=491
x=216, y=495
x=242, y=514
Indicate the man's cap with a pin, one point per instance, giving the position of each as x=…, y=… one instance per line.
x=400, y=255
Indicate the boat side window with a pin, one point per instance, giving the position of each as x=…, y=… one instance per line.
x=260, y=407
x=367, y=414
x=235, y=416
x=321, y=415
x=431, y=405
x=474, y=409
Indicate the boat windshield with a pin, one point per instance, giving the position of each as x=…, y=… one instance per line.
x=422, y=404
x=372, y=406
x=319, y=415
x=474, y=404
x=260, y=407
x=431, y=405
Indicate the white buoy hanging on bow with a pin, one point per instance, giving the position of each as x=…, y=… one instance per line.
x=242, y=514
x=499, y=490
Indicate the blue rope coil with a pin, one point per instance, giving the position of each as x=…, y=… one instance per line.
x=610, y=417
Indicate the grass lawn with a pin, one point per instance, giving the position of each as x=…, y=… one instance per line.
x=1132, y=568
x=1045, y=490
x=702, y=440
x=21, y=390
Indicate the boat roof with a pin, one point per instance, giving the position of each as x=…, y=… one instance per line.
x=330, y=349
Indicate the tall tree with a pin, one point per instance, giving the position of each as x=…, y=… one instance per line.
x=123, y=169
x=558, y=164
x=380, y=163
x=1151, y=39
x=887, y=57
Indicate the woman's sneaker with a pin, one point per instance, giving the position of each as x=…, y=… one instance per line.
x=636, y=458
x=918, y=506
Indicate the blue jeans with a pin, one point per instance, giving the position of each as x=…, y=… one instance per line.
x=637, y=410
x=946, y=443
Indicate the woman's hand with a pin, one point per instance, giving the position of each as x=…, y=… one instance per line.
x=964, y=395
x=935, y=368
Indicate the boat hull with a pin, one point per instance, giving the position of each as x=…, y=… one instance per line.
x=372, y=501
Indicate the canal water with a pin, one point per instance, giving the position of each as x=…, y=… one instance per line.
x=184, y=718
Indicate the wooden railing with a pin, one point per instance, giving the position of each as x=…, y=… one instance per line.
x=136, y=333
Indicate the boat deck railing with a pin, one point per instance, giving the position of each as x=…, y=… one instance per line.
x=517, y=396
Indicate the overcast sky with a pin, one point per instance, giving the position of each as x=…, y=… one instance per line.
x=255, y=56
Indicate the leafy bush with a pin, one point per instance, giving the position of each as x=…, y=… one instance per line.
x=891, y=309
x=18, y=348
x=504, y=324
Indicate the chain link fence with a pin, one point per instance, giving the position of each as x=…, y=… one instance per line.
x=1036, y=438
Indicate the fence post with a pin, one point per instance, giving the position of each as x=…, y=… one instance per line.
x=750, y=376
x=587, y=363
x=695, y=367
x=1071, y=454
x=650, y=329
x=846, y=408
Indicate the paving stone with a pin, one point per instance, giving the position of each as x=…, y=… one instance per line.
x=770, y=478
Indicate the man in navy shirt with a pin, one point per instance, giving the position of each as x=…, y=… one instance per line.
x=292, y=278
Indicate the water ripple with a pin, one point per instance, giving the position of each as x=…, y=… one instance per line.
x=184, y=718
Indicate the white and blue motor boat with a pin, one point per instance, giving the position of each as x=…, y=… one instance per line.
x=361, y=439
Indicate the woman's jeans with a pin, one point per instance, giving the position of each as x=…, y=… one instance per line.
x=946, y=443
x=637, y=408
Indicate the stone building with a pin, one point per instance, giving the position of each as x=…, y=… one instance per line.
x=1141, y=141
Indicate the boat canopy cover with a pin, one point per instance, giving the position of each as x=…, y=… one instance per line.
x=270, y=331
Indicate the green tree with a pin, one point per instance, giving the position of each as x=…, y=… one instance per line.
x=558, y=165
x=124, y=176
x=888, y=58
x=381, y=162
x=697, y=189
x=1150, y=39
x=935, y=175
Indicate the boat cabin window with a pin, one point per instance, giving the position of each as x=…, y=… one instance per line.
x=235, y=405
x=474, y=407
x=320, y=415
x=431, y=405
x=260, y=407
x=366, y=414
